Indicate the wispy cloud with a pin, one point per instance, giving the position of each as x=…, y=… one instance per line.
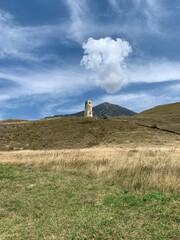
x=135, y=21
x=79, y=18
x=62, y=82
x=82, y=15
x=22, y=42
x=154, y=12
x=71, y=82
x=115, y=4
x=140, y=101
x=60, y=108
x=175, y=89
x=1, y=117
x=137, y=101
x=154, y=71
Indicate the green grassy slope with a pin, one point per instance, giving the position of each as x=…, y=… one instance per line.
x=166, y=116
x=43, y=204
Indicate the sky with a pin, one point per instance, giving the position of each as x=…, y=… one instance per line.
x=55, y=54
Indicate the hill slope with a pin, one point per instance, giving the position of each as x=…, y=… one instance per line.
x=79, y=132
x=163, y=111
x=103, y=110
x=168, y=116
x=76, y=133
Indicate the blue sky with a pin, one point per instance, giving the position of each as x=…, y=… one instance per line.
x=56, y=54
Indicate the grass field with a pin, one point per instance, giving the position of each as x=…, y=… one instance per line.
x=79, y=178
x=95, y=193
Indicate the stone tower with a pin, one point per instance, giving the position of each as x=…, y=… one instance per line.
x=88, y=109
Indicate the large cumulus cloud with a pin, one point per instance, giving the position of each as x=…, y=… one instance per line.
x=106, y=58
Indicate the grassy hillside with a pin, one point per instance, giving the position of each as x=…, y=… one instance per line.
x=166, y=116
x=76, y=132
x=62, y=133
x=167, y=111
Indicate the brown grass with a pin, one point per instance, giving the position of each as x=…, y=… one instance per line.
x=137, y=168
x=75, y=133
x=164, y=117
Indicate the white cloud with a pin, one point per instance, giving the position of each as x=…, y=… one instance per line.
x=83, y=23
x=154, y=12
x=61, y=108
x=154, y=71
x=20, y=42
x=106, y=58
x=4, y=97
x=1, y=117
x=175, y=89
x=17, y=41
x=84, y=19
x=155, y=6
x=62, y=82
x=71, y=82
x=79, y=18
x=139, y=101
x=115, y=4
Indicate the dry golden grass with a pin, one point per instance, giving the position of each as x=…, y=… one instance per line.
x=138, y=168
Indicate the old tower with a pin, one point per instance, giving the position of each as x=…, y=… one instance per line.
x=88, y=109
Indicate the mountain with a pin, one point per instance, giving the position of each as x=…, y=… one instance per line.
x=103, y=110
x=111, y=110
